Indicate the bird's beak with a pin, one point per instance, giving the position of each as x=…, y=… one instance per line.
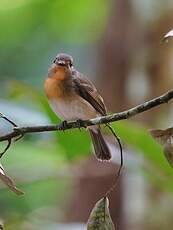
x=61, y=63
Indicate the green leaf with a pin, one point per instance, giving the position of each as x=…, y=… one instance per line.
x=100, y=216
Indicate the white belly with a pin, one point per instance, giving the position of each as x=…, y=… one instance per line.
x=73, y=110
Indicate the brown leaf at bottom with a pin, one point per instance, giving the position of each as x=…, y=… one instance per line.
x=9, y=182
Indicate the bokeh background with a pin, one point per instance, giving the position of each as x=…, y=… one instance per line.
x=117, y=44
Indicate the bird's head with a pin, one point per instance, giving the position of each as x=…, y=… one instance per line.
x=63, y=59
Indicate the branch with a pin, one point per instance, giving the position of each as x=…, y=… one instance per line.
x=20, y=131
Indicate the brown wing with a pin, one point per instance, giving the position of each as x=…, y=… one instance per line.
x=87, y=91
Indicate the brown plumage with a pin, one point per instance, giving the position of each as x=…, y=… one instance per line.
x=73, y=97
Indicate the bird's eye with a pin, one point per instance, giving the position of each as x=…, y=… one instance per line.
x=54, y=61
x=70, y=64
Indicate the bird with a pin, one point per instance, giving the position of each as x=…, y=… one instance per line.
x=74, y=97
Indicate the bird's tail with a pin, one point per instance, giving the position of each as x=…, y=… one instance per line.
x=101, y=148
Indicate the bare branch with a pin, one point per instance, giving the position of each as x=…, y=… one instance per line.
x=20, y=131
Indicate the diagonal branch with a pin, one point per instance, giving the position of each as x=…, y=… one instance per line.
x=20, y=131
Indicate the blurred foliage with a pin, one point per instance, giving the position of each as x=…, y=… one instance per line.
x=60, y=19
x=68, y=145
x=138, y=137
x=38, y=173
x=36, y=166
x=32, y=33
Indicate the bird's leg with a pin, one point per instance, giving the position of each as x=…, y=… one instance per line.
x=63, y=125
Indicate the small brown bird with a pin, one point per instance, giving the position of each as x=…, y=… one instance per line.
x=74, y=97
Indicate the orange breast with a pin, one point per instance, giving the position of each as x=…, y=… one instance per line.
x=54, y=84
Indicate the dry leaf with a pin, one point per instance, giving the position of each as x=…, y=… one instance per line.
x=9, y=182
x=168, y=35
x=165, y=137
x=161, y=136
x=100, y=216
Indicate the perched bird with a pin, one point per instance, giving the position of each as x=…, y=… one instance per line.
x=74, y=97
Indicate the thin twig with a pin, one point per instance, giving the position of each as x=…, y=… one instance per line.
x=6, y=148
x=99, y=120
x=7, y=119
x=113, y=186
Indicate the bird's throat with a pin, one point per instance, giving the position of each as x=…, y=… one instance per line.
x=58, y=83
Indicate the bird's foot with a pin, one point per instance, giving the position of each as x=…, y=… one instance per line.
x=63, y=125
x=80, y=124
